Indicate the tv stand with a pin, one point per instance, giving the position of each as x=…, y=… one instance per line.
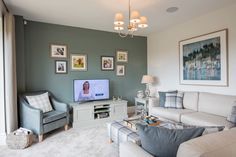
x=98, y=112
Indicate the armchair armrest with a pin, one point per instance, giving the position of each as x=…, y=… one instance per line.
x=129, y=149
x=59, y=106
x=31, y=118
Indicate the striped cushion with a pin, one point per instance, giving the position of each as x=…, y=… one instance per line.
x=40, y=102
x=174, y=100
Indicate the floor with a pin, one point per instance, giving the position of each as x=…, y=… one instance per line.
x=90, y=142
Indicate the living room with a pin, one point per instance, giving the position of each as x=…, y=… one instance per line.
x=44, y=43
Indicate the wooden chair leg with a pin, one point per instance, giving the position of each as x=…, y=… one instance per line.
x=40, y=138
x=66, y=127
x=110, y=141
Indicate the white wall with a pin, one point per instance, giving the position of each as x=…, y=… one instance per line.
x=2, y=107
x=163, y=53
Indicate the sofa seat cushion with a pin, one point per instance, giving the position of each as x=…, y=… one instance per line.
x=205, y=119
x=169, y=113
x=52, y=116
x=212, y=145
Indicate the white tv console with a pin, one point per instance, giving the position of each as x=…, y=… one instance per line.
x=98, y=112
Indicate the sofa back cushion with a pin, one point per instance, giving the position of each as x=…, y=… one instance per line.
x=191, y=100
x=215, y=103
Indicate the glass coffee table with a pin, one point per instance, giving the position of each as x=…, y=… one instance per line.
x=147, y=120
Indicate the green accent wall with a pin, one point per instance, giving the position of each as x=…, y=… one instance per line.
x=39, y=68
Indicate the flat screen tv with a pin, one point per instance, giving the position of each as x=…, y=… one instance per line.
x=89, y=90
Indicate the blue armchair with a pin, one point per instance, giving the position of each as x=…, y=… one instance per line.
x=39, y=122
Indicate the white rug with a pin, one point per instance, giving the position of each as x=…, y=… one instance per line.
x=90, y=142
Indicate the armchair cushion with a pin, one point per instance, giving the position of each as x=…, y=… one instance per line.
x=53, y=116
x=40, y=101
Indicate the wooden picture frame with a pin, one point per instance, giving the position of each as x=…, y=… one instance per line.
x=204, y=59
x=120, y=70
x=58, y=51
x=60, y=67
x=78, y=62
x=107, y=63
x=121, y=56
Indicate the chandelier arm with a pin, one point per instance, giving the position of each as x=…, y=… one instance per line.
x=123, y=35
x=129, y=11
x=132, y=26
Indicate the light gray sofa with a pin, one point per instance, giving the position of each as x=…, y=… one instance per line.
x=220, y=144
x=200, y=108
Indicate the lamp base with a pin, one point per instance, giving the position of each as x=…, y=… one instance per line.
x=147, y=91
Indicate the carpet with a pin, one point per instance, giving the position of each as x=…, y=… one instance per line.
x=89, y=142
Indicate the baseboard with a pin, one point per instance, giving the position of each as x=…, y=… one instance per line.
x=131, y=109
x=2, y=139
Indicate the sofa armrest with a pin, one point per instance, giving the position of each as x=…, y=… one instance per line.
x=153, y=102
x=129, y=149
x=31, y=118
x=210, y=145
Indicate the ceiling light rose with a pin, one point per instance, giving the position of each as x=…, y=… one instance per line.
x=134, y=22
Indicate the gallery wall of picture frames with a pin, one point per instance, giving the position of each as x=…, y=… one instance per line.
x=78, y=62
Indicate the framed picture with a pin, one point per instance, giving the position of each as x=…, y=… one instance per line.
x=120, y=70
x=107, y=63
x=60, y=67
x=58, y=51
x=121, y=56
x=203, y=59
x=79, y=62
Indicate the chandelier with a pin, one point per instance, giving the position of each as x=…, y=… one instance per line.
x=135, y=21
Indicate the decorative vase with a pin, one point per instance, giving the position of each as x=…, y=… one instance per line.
x=140, y=94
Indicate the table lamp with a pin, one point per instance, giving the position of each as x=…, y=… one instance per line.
x=147, y=79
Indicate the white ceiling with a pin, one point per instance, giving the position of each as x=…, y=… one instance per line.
x=99, y=14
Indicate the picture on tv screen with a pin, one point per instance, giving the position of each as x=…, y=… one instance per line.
x=87, y=90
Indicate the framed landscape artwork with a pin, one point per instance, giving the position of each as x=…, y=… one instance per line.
x=203, y=59
x=78, y=62
x=60, y=67
x=58, y=51
x=121, y=56
x=120, y=70
x=107, y=63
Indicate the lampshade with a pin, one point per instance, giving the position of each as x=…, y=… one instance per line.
x=118, y=27
x=147, y=79
x=143, y=22
x=134, y=18
x=119, y=19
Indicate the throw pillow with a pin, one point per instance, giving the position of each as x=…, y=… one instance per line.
x=232, y=116
x=40, y=102
x=212, y=129
x=207, y=129
x=174, y=100
x=163, y=142
x=162, y=97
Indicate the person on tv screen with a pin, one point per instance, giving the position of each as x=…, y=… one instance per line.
x=86, y=94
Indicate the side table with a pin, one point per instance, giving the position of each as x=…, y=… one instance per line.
x=143, y=106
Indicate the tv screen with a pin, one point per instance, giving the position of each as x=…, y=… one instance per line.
x=87, y=90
